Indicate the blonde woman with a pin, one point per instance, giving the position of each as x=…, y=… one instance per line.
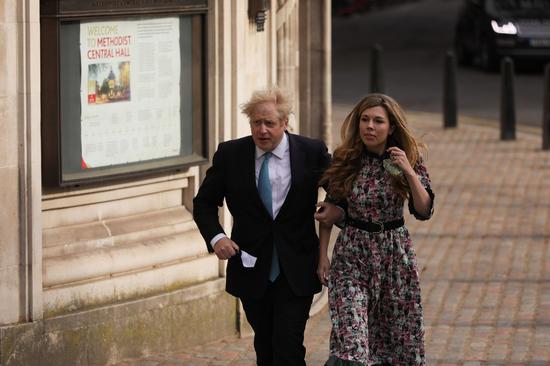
x=374, y=290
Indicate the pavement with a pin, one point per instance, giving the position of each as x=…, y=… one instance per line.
x=484, y=256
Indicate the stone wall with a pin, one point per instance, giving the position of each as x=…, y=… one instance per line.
x=90, y=275
x=105, y=335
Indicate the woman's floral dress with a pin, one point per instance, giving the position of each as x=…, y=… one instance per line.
x=374, y=290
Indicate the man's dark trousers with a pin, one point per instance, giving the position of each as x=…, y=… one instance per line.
x=279, y=320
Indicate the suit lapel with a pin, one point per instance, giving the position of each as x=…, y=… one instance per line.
x=249, y=155
x=249, y=176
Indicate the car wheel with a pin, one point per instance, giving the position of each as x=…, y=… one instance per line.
x=487, y=57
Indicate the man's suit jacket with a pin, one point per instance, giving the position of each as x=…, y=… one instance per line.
x=232, y=176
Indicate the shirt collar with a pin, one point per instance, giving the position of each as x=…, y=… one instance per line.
x=278, y=152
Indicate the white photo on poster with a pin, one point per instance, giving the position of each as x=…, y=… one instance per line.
x=130, y=91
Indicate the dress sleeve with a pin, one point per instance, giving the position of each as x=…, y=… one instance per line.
x=343, y=205
x=422, y=174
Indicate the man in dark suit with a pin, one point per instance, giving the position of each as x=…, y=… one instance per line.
x=270, y=183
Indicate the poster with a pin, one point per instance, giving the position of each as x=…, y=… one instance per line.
x=130, y=91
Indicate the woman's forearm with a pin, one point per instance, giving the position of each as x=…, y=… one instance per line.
x=421, y=199
x=324, y=236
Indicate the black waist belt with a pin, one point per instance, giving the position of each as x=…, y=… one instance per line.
x=374, y=226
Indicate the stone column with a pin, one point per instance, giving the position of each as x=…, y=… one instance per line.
x=20, y=186
x=315, y=69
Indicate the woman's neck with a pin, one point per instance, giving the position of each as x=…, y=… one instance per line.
x=378, y=152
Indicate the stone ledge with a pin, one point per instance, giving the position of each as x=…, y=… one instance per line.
x=111, y=289
x=105, y=335
x=111, y=247
x=53, y=200
x=123, y=258
x=109, y=210
x=81, y=237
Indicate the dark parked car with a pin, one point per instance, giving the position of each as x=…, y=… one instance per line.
x=488, y=30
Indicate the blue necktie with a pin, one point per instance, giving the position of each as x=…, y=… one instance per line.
x=264, y=188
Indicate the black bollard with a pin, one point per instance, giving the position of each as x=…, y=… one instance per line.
x=449, y=92
x=376, y=77
x=507, y=103
x=546, y=110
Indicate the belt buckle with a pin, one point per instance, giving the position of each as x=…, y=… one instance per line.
x=381, y=224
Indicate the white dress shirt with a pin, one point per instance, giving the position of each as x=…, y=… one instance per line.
x=279, y=172
x=279, y=176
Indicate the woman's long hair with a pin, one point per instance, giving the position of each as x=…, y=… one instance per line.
x=346, y=161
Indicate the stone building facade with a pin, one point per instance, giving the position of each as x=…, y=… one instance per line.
x=93, y=273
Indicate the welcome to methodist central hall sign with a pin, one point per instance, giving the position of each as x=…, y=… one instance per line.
x=79, y=7
x=123, y=89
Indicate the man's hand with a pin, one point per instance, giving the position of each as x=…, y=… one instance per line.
x=328, y=214
x=226, y=248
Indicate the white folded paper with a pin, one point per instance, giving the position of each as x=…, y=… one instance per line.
x=249, y=261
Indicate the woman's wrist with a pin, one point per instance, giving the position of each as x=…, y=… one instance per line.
x=409, y=173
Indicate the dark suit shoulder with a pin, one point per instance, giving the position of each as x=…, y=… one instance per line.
x=236, y=144
x=306, y=141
